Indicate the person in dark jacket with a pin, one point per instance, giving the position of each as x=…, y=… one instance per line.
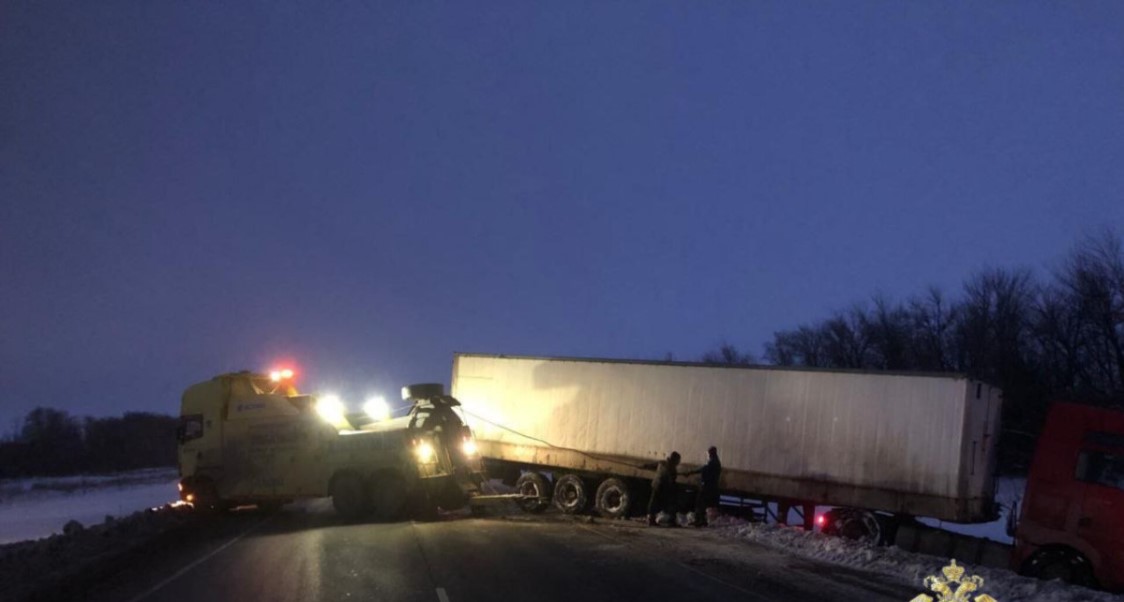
x=663, y=489
x=708, y=486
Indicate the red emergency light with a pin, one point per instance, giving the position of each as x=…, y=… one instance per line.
x=280, y=375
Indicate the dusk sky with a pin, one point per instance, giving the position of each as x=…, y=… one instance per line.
x=190, y=188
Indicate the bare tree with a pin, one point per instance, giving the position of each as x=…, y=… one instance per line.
x=846, y=340
x=889, y=333
x=728, y=354
x=804, y=346
x=933, y=323
x=1094, y=279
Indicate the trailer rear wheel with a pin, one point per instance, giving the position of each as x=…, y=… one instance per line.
x=571, y=494
x=349, y=496
x=613, y=498
x=388, y=496
x=537, y=489
x=855, y=524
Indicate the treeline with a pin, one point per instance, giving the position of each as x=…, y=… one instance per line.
x=1059, y=337
x=52, y=442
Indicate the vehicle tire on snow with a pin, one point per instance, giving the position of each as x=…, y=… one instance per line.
x=535, y=485
x=207, y=499
x=571, y=494
x=1060, y=563
x=350, y=496
x=854, y=524
x=613, y=498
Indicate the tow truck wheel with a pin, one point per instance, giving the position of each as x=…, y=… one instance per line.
x=613, y=498
x=571, y=494
x=207, y=499
x=388, y=496
x=537, y=489
x=349, y=496
x=1060, y=563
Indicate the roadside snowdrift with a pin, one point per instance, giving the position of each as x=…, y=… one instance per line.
x=38, y=507
x=902, y=566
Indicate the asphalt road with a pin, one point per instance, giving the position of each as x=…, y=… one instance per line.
x=304, y=553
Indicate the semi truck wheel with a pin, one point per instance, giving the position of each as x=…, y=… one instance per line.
x=388, y=497
x=852, y=523
x=1060, y=563
x=349, y=496
x=571, y=494
x=534, y=485
x=613, y=498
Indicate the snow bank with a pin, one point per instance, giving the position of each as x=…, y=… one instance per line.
x=39, y=507
x=905, y=567
x=63, y=567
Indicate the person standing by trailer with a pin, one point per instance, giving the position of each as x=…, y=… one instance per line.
x=708, y=486
x=663, y=489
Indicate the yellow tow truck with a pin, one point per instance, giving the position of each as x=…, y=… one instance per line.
x=247, y=438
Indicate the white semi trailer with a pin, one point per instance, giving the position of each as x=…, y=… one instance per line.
x=587, y=431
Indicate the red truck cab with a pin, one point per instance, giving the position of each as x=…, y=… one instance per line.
x=1072, y=521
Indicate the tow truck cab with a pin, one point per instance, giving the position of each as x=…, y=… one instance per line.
x=251, y=439
x=1071, y=524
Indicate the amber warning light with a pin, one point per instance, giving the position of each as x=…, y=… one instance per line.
x=280, y=375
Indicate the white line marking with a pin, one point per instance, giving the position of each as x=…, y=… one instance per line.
x=441, y=595
x=180, y=573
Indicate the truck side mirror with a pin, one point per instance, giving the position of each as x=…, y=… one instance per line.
x=1013, y=519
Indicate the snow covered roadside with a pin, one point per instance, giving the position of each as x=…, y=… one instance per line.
x=38, y=507
x=903, y=567
x=64, y=567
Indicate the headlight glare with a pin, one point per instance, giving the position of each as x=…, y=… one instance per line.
x=331, y=409
x=424, y=451
x=377, y=409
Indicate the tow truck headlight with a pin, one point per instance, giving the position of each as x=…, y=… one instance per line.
x=331, y=409
x=469, y=447
x=424, y=451
x=377, y=409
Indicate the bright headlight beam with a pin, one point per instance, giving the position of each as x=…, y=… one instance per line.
x=331, y=409
x=469, y=447
x=377, y=408
x=424, y=451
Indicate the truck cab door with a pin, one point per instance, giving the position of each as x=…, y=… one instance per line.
x=1100, y=466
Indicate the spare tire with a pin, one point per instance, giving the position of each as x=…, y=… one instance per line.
x=613, y=498
x=537, y=489
x=571, y=494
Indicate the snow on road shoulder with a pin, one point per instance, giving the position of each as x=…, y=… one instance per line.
x=905, y=567
x=64, y=567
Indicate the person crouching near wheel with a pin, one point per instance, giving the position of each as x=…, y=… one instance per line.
x=663, y=490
